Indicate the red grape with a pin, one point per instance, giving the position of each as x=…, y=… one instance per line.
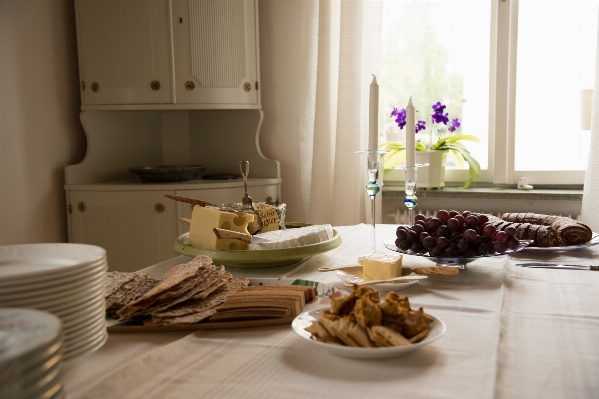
x=501, y=237
x=471, y=220
x=453, y=224
x=460, y=219
x=404, y=245
x=489, y=230
x=429, y=242
x=418, y=228
x=482, y=219
x=443, y=215
x=412, y=236
x=513, y=243
x=453, y=214
x=418, y=217
x=465, y=214
x=401, y=234
x=422, y=236
x=470, y=235
x=499, y=247
x=511, y=231
x=462, y=245
x=442, y=242
x=434, y=223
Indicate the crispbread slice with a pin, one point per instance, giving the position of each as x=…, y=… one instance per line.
x=309, y=291
x=139, y=285
x=172, y=284
x=200, y=305
x=115, y=280
x=208, y=279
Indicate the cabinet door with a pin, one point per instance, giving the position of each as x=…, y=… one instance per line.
x=215, y=51
x=137, y=228
x=125, y=54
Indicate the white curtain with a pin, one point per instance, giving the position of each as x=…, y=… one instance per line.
x=317, y=61
x=590, y=199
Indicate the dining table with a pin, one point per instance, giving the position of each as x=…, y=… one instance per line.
x=511, y=332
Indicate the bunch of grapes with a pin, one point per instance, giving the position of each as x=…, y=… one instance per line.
x=451, y=233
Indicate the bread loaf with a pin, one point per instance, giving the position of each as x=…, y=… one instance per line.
x=568, y=231
x=545, y=230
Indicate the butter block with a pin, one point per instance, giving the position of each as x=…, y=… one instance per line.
x=205, y=218
x=294, y=237
x=381, y=265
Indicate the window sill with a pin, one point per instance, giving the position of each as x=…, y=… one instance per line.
x=393, y=189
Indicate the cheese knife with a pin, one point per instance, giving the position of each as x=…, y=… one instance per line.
x=236, y=235
x=558, y=266
x=432, y=270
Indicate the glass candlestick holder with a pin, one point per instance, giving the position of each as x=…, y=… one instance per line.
x=411, y=176
x=373, y=188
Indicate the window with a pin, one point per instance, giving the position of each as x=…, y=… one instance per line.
x=512, y=71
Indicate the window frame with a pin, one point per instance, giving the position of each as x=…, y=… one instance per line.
x=504, y=69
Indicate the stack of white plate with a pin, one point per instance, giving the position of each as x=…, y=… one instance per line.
x=67, y=280
x=31, y=348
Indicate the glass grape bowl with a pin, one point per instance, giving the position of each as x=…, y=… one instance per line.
x=460, y=261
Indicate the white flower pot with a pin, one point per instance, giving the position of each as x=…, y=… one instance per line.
x=432, y=176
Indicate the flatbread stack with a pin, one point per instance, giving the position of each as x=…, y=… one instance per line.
x=187, y=293
x=545, y=230
x=123, y=287
x=265, y=302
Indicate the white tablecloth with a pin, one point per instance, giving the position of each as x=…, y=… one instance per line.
x=512, y=332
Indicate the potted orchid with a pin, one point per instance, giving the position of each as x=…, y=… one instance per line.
x=444, y=144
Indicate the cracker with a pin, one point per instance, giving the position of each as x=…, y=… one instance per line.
x=115, y=280
x=172, y=284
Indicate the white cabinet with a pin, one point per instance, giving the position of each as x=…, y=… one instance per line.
x=168, y=54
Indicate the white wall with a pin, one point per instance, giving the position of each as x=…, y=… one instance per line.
x=40, y=132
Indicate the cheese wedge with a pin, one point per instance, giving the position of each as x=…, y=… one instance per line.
x=294, y=237
x=378, y=266
x=206, y=218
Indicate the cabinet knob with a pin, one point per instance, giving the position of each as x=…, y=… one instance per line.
x=155, y=85
x=159, y=208
x=82, y=85
x=189, y=85
x=247, y=86
x=257, y=86
x=81, y=207
x=268, y=199
x=95, y=87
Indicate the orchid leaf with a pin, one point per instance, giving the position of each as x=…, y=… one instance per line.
x=453, y=139
x=457, y=158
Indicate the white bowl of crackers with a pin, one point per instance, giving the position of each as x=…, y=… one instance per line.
x=359, y=325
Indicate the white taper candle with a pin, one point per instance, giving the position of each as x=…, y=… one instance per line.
x=373, y=132
x=410, y=134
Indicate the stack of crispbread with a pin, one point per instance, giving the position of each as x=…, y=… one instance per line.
x=187, y=293
x=123, y=287
x=265, y=302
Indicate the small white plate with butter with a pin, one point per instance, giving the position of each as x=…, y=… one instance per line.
x=355, y=275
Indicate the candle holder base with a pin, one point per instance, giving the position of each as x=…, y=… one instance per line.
x=411, y=176
x=372, y=188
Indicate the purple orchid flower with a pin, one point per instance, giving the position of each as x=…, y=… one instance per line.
x=455, y=124
x=401, y=117
x=421, y=125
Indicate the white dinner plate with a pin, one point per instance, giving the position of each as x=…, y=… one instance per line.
x=304, y=320
x=33, y=262
x=354, y=275
x=79, y=275
x=56, y=293
x=90, y=346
